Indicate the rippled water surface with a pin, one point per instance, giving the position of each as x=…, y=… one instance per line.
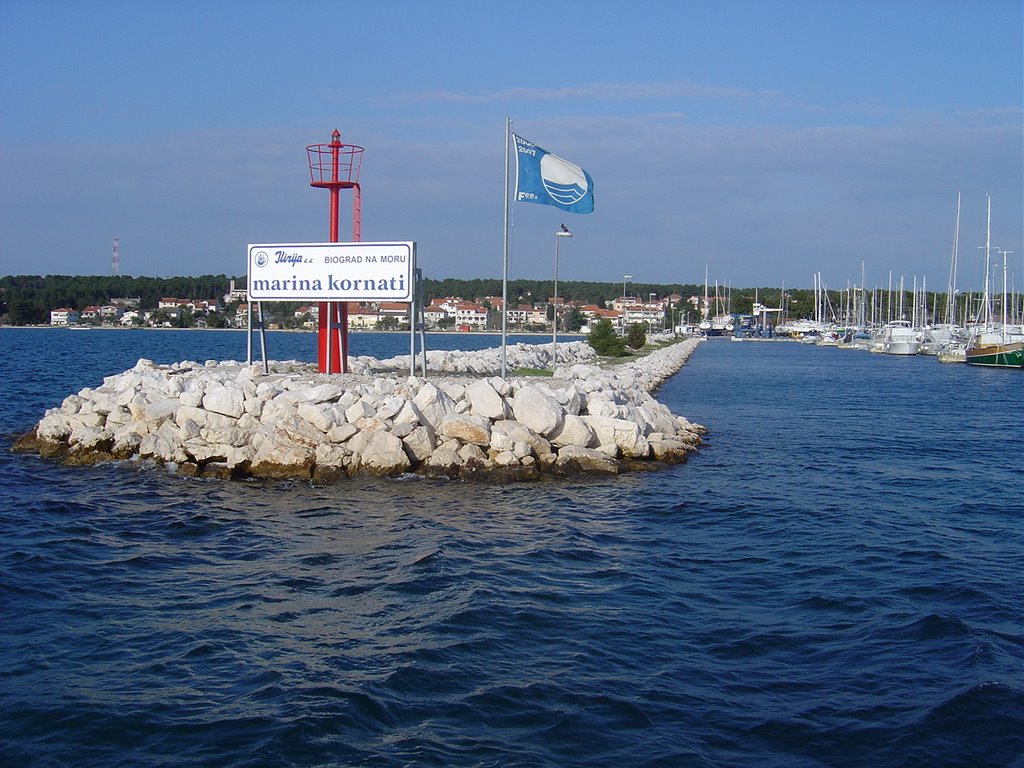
x=834, y=580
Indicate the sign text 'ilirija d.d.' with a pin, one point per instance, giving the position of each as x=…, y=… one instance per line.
x=332, y=271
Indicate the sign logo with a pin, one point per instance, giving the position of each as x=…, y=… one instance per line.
x=261, y=259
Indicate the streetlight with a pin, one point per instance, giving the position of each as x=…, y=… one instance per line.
x=563, y=232
x=623, y=318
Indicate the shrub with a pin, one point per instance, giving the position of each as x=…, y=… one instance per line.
x=637, y=336
x=605, y=341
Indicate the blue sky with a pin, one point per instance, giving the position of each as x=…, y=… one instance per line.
x=765, y=140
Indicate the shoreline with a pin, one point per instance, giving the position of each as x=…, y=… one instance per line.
x=230, y=420
x=544, y=334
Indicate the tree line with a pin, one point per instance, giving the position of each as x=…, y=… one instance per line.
x=28, y=299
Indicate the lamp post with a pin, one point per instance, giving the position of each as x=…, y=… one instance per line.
x=624, y=279
x=563, y=232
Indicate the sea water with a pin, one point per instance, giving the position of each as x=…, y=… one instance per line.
x=833, y=580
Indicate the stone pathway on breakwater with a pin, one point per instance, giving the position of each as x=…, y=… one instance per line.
x=228, y=420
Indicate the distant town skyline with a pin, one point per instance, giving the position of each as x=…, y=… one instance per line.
x=763, y=141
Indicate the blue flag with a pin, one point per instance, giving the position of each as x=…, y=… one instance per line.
x=548, y=179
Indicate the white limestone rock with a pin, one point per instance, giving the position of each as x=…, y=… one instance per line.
x=161, y=410
x=624, y=433
x=379, y=453
x=278, y=456
x=419, y=443
x=359, y=410
x=466, y=428
x=471, y=452
x=332, y=455
x=518, y=435
x=341, y=432
x=485, y=401
x=321, y=415
x=433, y=405
x=574, y=431
x=391, y=407
x=224, y=400
x=537, y=410
x=573, y=458
x=276, y=411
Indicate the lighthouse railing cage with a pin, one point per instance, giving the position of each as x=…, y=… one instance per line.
x=334, y=165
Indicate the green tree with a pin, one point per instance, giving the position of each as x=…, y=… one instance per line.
x=216, y=320
x=637, y=336
x=574, y=320
x=605, y=341
x=24, y=312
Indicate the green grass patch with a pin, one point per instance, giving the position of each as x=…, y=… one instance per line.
x=532, y=372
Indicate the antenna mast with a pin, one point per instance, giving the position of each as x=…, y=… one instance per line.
x=115, y=258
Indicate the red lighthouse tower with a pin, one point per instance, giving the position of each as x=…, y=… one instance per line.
x=335, y=166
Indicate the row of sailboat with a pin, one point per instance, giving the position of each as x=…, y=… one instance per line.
x=980, y=337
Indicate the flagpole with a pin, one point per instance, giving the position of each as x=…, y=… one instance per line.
x=504, y=270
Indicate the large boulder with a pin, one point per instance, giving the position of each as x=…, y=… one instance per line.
x=537, y=410
x=574, y=431
x=433, y=404
x=379, y=453
x=224, y=400
x=572, y=459
x=466, y=428
x=485, y=401
x=624, y=433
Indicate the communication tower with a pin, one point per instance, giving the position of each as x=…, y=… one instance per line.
x=115, y=259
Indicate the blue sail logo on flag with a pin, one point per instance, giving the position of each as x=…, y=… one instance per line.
x=542, y=177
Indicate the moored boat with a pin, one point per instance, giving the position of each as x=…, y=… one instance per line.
x=900, y=338
x=994, y=345
x=995, y=350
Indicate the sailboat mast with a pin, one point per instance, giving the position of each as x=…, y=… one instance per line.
x=987, y=308
x=706, y=306
x=888, y=309
x=1006, y=319
x=951, y=287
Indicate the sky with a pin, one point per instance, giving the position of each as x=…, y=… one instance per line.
x=756, y=141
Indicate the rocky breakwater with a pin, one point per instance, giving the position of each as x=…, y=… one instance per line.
x=227, y=419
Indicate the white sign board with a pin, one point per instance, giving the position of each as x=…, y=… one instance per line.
x=332, y=271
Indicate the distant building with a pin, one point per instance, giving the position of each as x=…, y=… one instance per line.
x=520, y=314
x=64, y=316
x=469, y=315
x=395, y=309
x=235, y=294
x=434, y=315
x=362, y=317
x=204, y=306
x=652, y=314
